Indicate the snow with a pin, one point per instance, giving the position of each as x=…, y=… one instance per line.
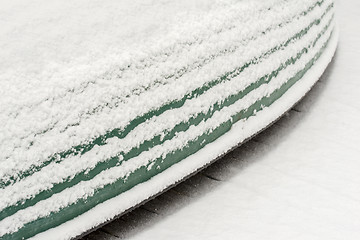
x=57, y=172
x=297, y=180
x=56, y=91
x=60, y=122
x=185, y=167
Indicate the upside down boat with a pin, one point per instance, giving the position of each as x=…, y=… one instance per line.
x=106, y=104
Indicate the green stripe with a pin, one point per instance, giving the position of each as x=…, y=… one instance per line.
x=195, y=120
x=143, y=174
x=121, y=133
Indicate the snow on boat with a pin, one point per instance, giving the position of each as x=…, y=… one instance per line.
x=106, y=104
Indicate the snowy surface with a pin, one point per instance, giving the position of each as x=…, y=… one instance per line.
x=118, y=204
x=64, y=85
x=56, y=62
x=297, y=180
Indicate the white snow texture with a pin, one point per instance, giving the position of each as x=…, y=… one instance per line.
x=73, y=72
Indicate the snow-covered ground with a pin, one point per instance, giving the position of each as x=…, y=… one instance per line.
x=300, y=179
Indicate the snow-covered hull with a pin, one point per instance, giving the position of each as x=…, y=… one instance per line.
x=195, y=100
